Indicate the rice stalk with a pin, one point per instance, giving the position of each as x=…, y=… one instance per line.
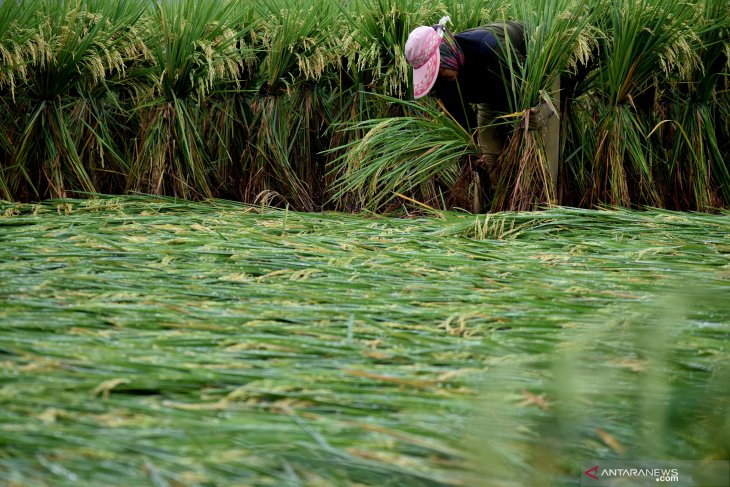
x=418, y=155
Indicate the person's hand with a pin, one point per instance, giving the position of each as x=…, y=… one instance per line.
x=486, y=161
x=538, y=116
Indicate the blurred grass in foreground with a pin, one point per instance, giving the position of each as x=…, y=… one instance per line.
x=155, y=342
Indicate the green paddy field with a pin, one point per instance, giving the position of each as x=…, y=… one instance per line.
x=149, y=341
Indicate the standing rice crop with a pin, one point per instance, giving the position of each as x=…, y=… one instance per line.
x=193, y=46
x=643, y=35
x=74, y=47
x=693, y=171
x=251, y=100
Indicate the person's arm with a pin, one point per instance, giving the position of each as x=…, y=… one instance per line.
x=505, y=34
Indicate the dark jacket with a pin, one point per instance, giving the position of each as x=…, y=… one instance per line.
x=485, y=75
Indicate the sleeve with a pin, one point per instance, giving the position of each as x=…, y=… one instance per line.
x=516, y=34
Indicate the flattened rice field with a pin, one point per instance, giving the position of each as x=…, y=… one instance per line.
x=158, y=342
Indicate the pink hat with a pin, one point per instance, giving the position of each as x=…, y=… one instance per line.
x=422, y=52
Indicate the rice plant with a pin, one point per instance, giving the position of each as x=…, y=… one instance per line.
x=644, y=35
x=15, y=36
x=192, y=46
x=694, y=167
x=298, y=42
x=75, y=46
x=15, y=42
x=418, y=155
x=559, y=36
x=299, y=47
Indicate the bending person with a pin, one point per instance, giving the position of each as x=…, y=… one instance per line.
x=473, y=67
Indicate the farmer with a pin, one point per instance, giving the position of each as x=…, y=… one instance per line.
x=472, y=67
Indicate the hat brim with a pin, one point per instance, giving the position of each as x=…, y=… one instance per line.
x=425, y=77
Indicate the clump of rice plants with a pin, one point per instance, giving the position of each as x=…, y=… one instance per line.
x=73, y=47
x=694, y=172
x=559, y=35
x=644, y=35
x=299, y=45
x=418, y=155
x=15, y=39
x=193, y=46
